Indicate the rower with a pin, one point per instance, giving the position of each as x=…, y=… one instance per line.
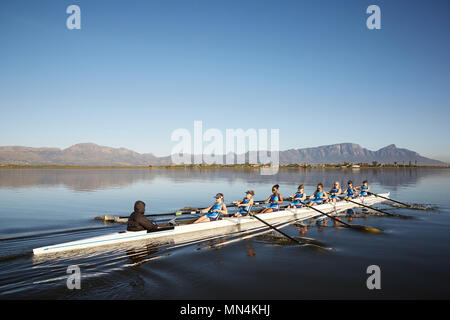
x=351, y=191
x=335, y=192
x=319, y=196
x=245, y=205
x=273, y=201
x=138, y=221
x=363, y=189
x=214, y=211
x=297, y=197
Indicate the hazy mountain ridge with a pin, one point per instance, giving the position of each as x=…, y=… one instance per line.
x=350, y=152
x=83, y=154
x=90, y=154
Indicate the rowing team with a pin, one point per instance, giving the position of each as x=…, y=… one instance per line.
x=138, y=222
x=274, y=201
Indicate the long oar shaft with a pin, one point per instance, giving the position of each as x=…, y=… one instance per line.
x=254, y=201
x=380, y=211
x=402, y=203
x=276, y=229
x=369, y=207
x=169, y=214
x=230, y=205
x=353, y=226
x=321, y=212
x=114, y=218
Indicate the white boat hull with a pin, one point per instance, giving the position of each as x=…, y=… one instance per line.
x=226, y=224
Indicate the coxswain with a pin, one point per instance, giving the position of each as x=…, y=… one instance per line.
x=138, y=221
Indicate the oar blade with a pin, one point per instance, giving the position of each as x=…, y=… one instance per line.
x=107, y=218
x=120, y=220
x=365, y=229
x=190, y=209
x=401, y=216
x=317, y=249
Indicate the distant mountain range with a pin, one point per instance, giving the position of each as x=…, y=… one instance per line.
x=90, y=154
x=351, y=152
x=82, y=154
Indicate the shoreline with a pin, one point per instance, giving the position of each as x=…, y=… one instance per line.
x=226, y=167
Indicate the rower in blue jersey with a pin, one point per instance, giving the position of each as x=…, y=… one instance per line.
x=300, y=195
x=351, y=191
x=335, y=192
x=363, y=189
x=273, y=201
x=245, y=205
x=319, y=196
x=213, y=212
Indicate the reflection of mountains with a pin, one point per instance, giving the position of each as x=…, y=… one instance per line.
x=97, y=179
x=76, y=179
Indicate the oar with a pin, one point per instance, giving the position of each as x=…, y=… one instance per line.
x=353, y=226
x=113, y=218
x=402, y=203
x=172, y=222
x=255, y=202
x=276, y=229
x=378, y=210
x=230, y=205
x=176, y=213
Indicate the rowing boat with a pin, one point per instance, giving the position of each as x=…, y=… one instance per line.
x=223, y=226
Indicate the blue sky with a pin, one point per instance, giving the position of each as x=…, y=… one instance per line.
x=137, y=70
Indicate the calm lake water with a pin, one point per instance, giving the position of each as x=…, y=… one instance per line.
x=43, y=207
